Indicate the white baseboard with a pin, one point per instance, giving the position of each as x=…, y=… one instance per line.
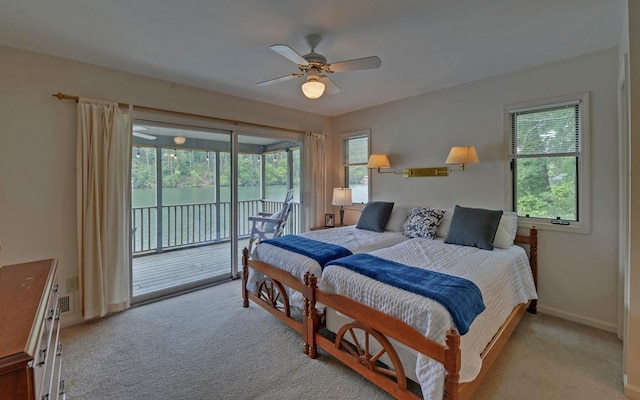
x=632, y=392
x=607, y=326
x=71, y=319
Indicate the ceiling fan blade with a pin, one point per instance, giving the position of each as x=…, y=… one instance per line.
x=278, y=80
x=358, y=63
x=143, y=135
x=289, y=53
x=330, y=86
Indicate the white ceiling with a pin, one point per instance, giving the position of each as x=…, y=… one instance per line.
x=223, y=45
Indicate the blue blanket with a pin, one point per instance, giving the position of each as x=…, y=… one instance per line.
x=320, y=251
x=461, y=297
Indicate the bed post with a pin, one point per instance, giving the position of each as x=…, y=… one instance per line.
x=452, y=363
x=533, y=259
x=245, y=277
x=310, y=318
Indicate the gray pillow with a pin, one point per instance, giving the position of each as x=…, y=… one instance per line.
x=473, y=227
x=375, y=216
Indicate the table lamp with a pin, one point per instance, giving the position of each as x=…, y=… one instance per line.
x=342, y=197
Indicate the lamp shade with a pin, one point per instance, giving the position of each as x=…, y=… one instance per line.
x=313, y=89
x=179, y=140
x=463, y=155
x=341, y=197
x=378, y=161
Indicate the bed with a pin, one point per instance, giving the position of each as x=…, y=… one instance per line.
x=380, y=226
x=350, y=319
x=502, y=275
x=353, y=239
x=282, y=295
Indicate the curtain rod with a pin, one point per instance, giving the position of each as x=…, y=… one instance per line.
x=63, y=96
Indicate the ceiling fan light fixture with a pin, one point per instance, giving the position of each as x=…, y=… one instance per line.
x=314, y=67
x=313, y=89
x=179, y=140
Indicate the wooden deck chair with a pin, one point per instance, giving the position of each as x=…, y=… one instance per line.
x=268, y=225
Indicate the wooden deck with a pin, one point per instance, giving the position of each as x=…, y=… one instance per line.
x=158, y=273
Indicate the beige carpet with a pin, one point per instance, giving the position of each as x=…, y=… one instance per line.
x=204, y=345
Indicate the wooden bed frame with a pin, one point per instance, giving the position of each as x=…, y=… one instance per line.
x=375, y=325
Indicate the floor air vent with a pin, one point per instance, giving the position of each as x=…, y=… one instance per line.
x=64, y=304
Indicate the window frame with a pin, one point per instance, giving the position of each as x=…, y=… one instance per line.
x=344, y=138
x=583, y=224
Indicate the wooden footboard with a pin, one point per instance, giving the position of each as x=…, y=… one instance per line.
x=375, y=325
x=358, y=354
x=272, y=295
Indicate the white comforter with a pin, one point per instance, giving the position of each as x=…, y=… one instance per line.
x=503, y=276
x=356, y=240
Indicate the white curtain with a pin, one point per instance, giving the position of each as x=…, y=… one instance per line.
x=103, y=196
x=314, y=180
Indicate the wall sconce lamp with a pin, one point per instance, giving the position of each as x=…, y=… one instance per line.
x=462, y=155
x=377, y=161
x=341, y=197
x=179, y=140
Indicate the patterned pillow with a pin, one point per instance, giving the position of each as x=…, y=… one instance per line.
x=423, y=222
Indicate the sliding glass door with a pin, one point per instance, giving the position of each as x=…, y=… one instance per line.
x=193, y=190
x=181, y=208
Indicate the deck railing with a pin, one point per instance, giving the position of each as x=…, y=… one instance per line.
x=186, y=225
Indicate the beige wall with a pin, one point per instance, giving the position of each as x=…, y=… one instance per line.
x=632, y=346
x=578, y=274
x=38, y=143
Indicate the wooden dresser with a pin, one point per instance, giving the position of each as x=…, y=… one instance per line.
x=30, y=349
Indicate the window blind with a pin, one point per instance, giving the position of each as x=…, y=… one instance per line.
x=554, y=130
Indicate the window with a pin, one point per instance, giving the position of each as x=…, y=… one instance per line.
x=355, y=150
x=548, y=155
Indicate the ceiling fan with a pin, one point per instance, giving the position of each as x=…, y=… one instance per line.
x=143, y=135
x=139, y=132
x=314, y=68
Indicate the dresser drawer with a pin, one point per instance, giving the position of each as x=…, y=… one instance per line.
x=53, y=353
x=30, y=363
x=57, y=388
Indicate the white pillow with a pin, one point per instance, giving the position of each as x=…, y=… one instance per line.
x=507, y=229
x=397, y=219
x=445, y=224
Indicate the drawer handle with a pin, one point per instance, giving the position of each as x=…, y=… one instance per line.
x=59, y=352
x=55, y=288
x=51, y=314
x=43, y=357
x=61, y=387
x=58, y=313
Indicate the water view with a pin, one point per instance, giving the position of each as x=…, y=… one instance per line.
x=170, y=196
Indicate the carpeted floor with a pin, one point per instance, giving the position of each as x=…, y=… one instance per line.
x=204, y=345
